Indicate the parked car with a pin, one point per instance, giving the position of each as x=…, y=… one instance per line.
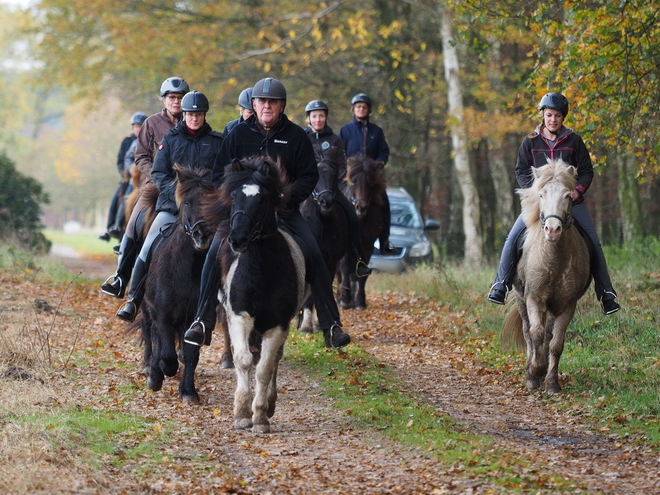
x=407, y=233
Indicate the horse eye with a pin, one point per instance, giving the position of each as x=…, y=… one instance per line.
x=186, y=203
x=233, y=195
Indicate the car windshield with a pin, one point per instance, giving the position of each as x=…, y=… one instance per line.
x=405, y=215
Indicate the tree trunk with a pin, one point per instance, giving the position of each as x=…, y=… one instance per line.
x=631, y=209
x=471, y=212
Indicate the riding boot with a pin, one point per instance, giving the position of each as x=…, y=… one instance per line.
x=129, y=309
x=335, y=337
x=386, y=247
x=355, y=252
x=128, y=251
x=508, y=262
x=201, y=329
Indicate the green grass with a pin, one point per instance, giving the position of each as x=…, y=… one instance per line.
x=86, y=243
x=370, y=393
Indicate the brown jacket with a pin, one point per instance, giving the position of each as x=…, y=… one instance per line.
x=151, y=135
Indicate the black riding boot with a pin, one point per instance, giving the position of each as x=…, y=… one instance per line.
x=201, y=329
x=129, y=310
x=355, y=252
x=127, y=252
x=508, y=263
x=386, y=247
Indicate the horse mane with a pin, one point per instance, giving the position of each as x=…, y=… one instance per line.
x=372, y=170
x=188, y=179
x=262, y=170
x=555, y=170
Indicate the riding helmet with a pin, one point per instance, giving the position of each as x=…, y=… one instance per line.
x=138, y=118
x=556, y=101
x=195, y=102
x=361, y=98
x=316, y=105
x=174, y=85
x=269, y=88
x=245, y=99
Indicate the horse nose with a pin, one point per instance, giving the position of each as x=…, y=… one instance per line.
x=551, y=232
x=326, y=203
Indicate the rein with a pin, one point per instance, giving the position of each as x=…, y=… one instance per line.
x=258, y=224
x=191, y=229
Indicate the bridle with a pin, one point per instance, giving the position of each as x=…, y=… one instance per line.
x=565, y=222
x=259, y=225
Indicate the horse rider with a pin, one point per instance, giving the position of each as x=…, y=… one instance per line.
x=115, y=222
x=150, y=136
x=551, y=140
x=329, y=147
x=363, y=137
x=191, y=144
x=244, y=109
x=269, y=132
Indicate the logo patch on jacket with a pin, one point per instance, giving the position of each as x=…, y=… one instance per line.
x=325, y=145
x=161, y=147
x=280, y=141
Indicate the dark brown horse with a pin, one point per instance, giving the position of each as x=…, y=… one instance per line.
x=172, y=285
x=553, y=274
x=364, y=187
x=327, y=221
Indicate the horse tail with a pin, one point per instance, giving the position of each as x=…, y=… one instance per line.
x=512, y=338
x=135, y=328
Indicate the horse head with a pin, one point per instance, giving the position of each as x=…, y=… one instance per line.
x=255, y=188
x=366, y=182
x=192, y=186
x=326, y=187
x=550, y=197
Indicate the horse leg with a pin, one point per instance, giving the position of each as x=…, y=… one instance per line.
x=156, y=376
x=169, y=361
x=345, y=292
x=239, y=330
x=187, y=389
x=556, y=347
x=360, y=293
x=265, y=390
x=148, y=345
x=537, y=362
x=307, y=324
x=226, y=360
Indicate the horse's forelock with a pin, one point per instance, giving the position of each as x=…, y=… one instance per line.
x=263, y=171
x=188, y=180
x=370, y=170
x=554, y=171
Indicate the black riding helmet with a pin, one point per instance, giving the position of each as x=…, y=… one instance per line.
x=174, y=85
x=269, y=88
x=316, y=105
x=138, y=118
x=556, y=101
x=195, y=102
x=361, y=98
x=245, y=99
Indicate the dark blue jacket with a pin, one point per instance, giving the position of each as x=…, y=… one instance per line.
x=365, y=138
x=181, y=147
x=286, y=141
x=536, y=150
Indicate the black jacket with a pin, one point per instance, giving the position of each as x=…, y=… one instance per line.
x=328, y=147
x=181, y=147
x=535, y=151
x=123, y=148
x=286, y=141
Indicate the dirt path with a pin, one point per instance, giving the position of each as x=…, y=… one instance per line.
x=314, y=448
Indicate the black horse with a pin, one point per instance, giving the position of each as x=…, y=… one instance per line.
x=329, y=224
x=263, y=282
x=172, y=285
x=364, y=187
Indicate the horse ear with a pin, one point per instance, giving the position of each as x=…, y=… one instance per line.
x=573, y=170
x=535, y=172
x=380, y=165
x=265, y=167
x=236, y=165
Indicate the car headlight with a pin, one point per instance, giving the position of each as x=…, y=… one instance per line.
x=420, y=249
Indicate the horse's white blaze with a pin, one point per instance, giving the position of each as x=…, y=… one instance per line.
x=251, y=189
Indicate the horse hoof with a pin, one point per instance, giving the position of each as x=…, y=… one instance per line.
x=259, y=429
x=194, y=397
x=360, y=306
x=227, y=364
x=533, y=384
x=306, y=329
x=146, y=369
x=553, y=388
x=345, y=305
x=154, y=385
x=242, y=424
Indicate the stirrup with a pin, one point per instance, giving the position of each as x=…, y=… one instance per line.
x=114, y=278
x=362, y=269
x=189, y=338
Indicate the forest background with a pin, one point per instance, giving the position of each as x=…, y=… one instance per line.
x=455, y=86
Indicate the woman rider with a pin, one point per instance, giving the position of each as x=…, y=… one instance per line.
x=329, y=147
x=551, y=141
x=191, y=144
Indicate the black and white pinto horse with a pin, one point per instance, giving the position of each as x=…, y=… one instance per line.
x=328, y=223
x=262, y=281
x=172, y=285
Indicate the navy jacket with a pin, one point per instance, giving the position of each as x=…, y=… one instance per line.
x=286, y=141
x=365, y=138
x=181, y=147
x=536, y=150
